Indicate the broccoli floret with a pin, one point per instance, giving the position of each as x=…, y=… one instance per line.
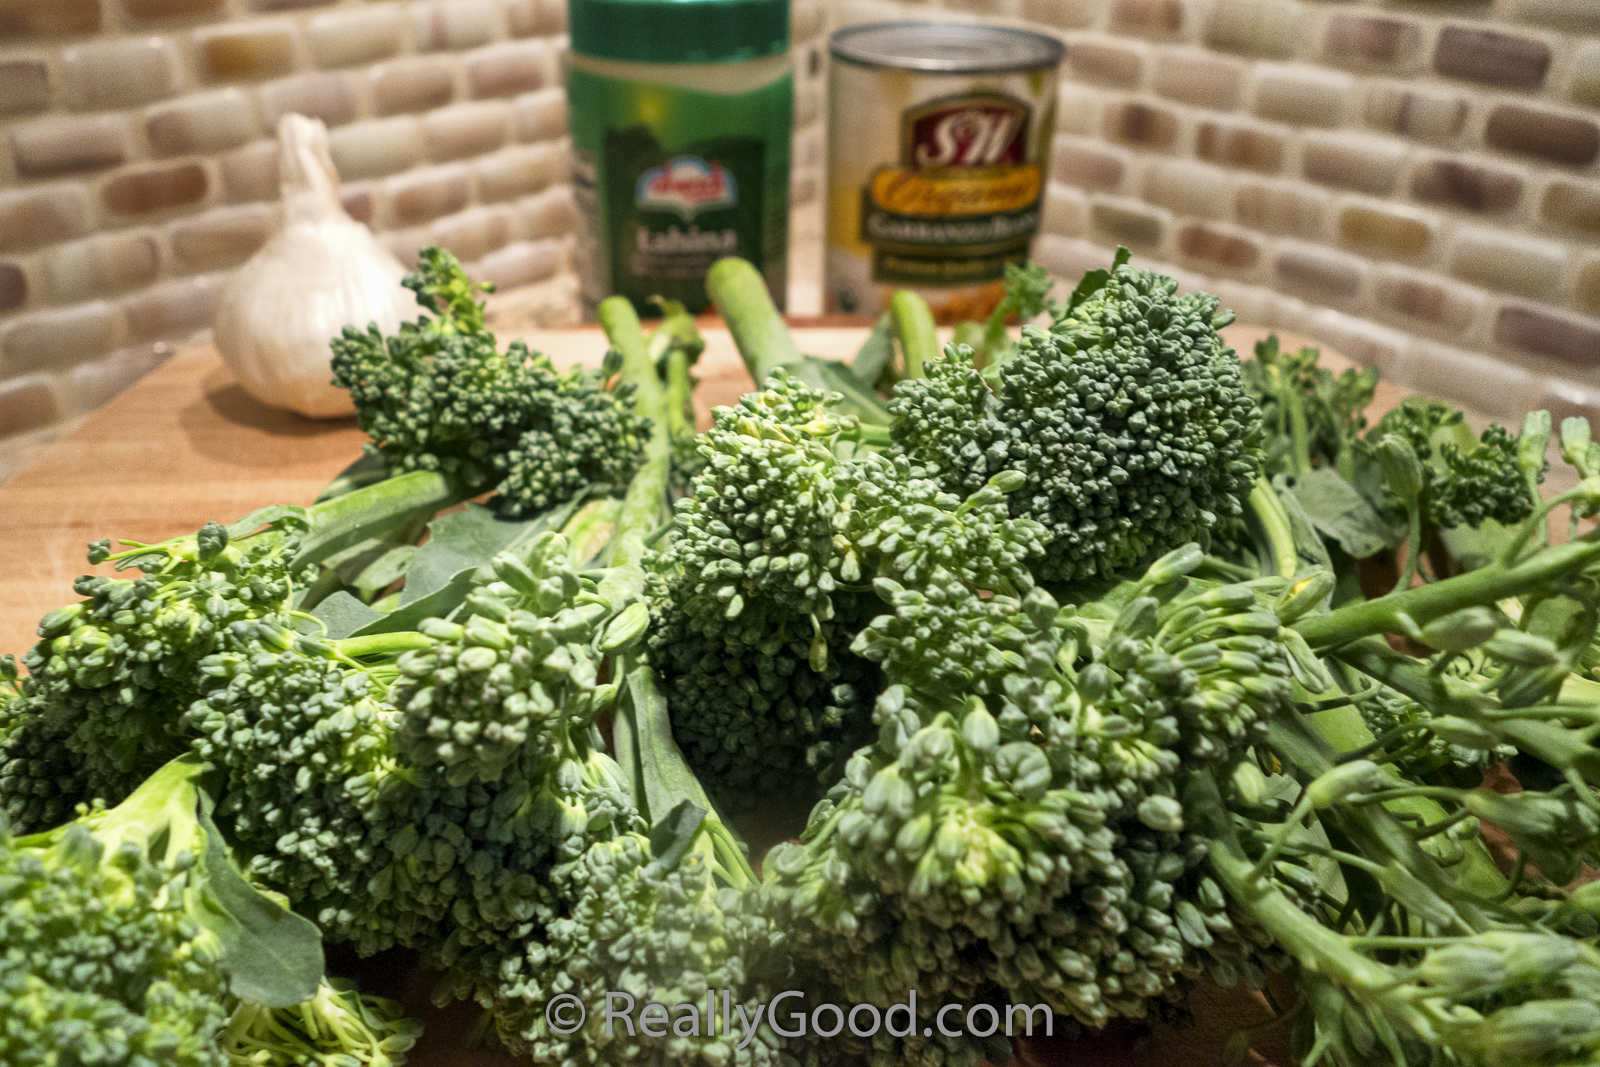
x=1028, y=846
x=1312, y=417
x=1128, y=418
x=440, y=396
x=1465, y=481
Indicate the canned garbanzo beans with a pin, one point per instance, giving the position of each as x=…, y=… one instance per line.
x=939, y=134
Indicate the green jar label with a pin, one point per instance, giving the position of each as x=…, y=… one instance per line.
x=670, y=180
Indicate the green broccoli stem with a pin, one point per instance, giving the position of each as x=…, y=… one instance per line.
x=644, y=506
x=1402, y=612
x=740, y=295
x=680, y=394
x=1275, y=528
x=371, y=511
x=913, y=325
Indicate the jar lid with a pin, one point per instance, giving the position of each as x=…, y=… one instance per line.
x=678, y=31
x=945, y=47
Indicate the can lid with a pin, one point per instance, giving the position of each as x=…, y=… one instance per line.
x=679, y=31
x=945, y=47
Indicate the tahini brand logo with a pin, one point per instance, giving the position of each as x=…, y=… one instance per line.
x=687, y=185
x=982, y=130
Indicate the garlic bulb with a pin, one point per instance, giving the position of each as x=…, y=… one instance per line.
x=322, y=271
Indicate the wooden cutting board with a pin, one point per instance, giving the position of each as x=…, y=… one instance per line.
x=187, y=445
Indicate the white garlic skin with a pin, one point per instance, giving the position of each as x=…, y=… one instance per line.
x=322, y=271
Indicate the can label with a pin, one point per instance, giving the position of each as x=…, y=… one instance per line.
x=670, y=180
x=963, y=200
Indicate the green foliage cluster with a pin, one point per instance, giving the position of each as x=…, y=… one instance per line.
x=440, y=396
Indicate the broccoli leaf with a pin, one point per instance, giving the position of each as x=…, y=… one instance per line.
x=1341, y=513
x=464, y=540
x=273, y=956
x=343, y=614
x=877, y=351
x=1094, y=281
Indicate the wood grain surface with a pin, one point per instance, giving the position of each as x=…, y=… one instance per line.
x=187, y=445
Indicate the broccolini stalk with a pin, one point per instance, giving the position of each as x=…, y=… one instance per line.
x=913, y=325
x=741, y=298
x=1026, y=288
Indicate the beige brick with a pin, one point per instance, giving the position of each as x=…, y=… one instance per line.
x=1553, y=136
x=288, y=5
x=59, y=144
x=1066, y=211
x=413, y=83
x=27, y=404
x=329, y=97
x=222, y=236
x=1353, y=161
x=1106, y=62
x=405, y=244
x=1554, y=335
x=355, y=35
x=467, y=129
x=1188, y=188
x=1468, y=185
x=1128, y=222
x=1588, y=291
x=58, y=338
x=517, y=171
x=1213, y=247
x=510, y=68
x=24, y=86
x=1364, y=342
x=1385, y=231
x=92, y=384
x=1583, y=87
x=1305, y=96
x=806, y=20
x=523, y=263
x=1140, y=124
x=1490, y=57
x=1068, y=258
x=1085, y=164
x=1198, y=78
x=545, y=18
x=201, y=123
x=1426, y=300
x=476, y=232
x=378, y=147
x=13, y=286
x=33, y=18
x=1365, y=42
x=251, y=172
x=438, y=25
x=1077, y=109
x=1060, y=14
x=246, y=52
x=149, y=190
x=808, y=104
x=1573, y=205
x=541, y=116
x=43, y=214
x=172, y=310
x=1424, y=114
x=98, y=266
x=1508, y=261
x=1318, y=274
x=1579, y=15
x=140, y=11
x=117, y=74
x=1492, y=386
x=359, y=200
x=1288, y=208
x=1253, y=27
x=1240, y=143
x=1151, y=18
x=426, y=194
x=552, y=213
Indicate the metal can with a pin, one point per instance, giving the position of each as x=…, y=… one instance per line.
x=938, y=140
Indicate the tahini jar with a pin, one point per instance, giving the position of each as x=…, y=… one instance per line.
x=680, y=113
x=938, y=140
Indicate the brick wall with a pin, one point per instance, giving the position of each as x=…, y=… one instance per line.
x=138, y=163
x=1417, y=183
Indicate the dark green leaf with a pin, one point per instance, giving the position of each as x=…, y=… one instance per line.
x=436, y=605
x=268, y=516
x=1339, y=512
x=876, y=352
x=273, y=956
x=343, y=614
x=465, y=540
x=1095, y=280
x=674, y=834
